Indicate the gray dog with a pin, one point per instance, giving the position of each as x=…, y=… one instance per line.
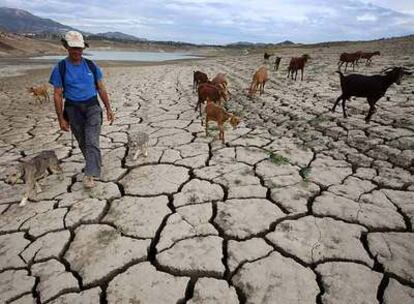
x=139, y=142
x=32, y=170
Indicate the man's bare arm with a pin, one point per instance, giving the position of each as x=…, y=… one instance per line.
x=58, y=99
x=105, y=99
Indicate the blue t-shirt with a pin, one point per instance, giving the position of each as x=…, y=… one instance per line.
x=79, y=80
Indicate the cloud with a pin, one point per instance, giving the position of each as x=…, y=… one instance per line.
x=367, y=17
x=213, y=21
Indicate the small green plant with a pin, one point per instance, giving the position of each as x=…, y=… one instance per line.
x=305, y=173
x=318, y=119
x=192, y=199
x=278, y=159
x=215, y=128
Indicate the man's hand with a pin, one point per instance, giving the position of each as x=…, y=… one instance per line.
x=110, y=116
x=64, y=124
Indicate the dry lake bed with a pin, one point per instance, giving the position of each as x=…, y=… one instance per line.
x=300, y=205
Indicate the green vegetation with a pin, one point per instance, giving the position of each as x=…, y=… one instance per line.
x=318, y=119
x=278, y=159
x=305, y=173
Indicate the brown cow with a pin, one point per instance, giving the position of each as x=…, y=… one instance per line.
x=277, y=62
x=368, y=56
x=297, y=63
x=349, y=58
x=266, y=57
x=198, y=78
x=220, y=80
x=214, y=93
x=259, y=80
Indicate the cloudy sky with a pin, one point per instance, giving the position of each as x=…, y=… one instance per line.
x=221, y=22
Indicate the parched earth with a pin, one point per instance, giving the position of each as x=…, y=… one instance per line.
x=298, y=206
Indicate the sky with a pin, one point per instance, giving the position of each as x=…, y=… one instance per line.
x=223, y=22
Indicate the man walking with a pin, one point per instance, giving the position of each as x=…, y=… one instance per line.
x=78, y=81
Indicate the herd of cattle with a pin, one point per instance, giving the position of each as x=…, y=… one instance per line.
x=213, y=92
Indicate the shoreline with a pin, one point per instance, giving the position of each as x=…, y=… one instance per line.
x=19, y=66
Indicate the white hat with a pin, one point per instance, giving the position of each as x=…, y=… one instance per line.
x=74, y=39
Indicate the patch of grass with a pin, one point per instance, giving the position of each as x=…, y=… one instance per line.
x=215, y=128
x=192, y=199
x=278, y=159
x=318, y=119
x=305, y=173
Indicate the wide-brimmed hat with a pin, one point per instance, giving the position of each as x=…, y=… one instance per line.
x=74, y=39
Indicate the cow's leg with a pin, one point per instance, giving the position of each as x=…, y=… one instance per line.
x=344, y=99
x=301, y=78
x=196, y=107
x=336, y=103
x=372, y=101
x=221, y=128
x=201, y=114
x=206, y=126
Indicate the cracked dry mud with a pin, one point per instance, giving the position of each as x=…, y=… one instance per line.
x=299, y=206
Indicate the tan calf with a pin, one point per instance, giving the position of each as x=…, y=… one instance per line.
x=218, y=114
x=259, y=80
x=220, y=80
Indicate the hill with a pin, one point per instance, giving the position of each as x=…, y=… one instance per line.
x=21, y=21
x=116, y=36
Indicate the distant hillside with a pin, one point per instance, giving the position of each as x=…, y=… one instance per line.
x=244, y=44
x=18, y=45
x=116, y=35
x=21, y=21
x=286, y=42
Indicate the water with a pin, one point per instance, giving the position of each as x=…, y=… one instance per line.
x=126, y=56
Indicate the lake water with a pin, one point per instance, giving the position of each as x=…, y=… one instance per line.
x=127, y=56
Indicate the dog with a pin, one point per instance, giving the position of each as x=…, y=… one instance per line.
x=33, y=170
x=139, y=142
x=40, y=91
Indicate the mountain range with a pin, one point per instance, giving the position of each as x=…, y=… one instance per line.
x=23, y=22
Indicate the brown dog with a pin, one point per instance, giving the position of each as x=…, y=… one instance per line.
x=40, y=91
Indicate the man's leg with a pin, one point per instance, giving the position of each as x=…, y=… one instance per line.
x=92, y=131
x=77, y=121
